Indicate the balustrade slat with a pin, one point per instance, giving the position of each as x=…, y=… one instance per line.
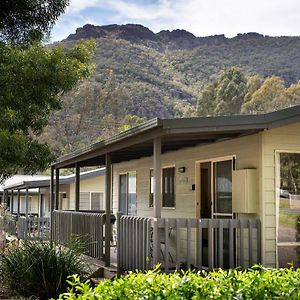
x=166, y=245
x=241, y=226
x=220, y=243
x=250, y=240
x=188, y=246
x=210, y=242
x=177, y=245
x=199, y=245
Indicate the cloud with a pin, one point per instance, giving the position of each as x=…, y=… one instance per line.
x=201, y=17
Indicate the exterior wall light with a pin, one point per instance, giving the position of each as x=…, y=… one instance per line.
x=181, y=169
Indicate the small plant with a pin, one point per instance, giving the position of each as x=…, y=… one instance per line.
x=255, y=283
x=40, y=269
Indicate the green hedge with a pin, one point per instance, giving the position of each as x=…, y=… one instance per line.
x=254, y=283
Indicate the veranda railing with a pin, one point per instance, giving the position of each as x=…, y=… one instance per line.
x=88, y=226
x=187, y=243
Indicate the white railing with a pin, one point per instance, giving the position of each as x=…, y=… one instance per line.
x=187, y=243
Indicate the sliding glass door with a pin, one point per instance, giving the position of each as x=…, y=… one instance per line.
x=216, y=202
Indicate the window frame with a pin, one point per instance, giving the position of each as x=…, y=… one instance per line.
x=163, y=187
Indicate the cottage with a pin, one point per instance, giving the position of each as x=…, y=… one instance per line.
x=197, y=191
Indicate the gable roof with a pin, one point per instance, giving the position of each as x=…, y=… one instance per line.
x=175, y=134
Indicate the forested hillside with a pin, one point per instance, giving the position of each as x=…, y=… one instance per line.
x=140, y=75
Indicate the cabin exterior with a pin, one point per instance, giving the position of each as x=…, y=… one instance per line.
x=27, y=199
x=199, y=192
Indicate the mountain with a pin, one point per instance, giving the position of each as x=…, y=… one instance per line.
x=144, y=74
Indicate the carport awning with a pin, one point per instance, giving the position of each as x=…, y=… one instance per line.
x=176, y=134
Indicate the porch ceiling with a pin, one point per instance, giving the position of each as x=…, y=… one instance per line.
x=175, y=134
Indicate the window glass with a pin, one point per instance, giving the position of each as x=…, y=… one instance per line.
x=97, y=201
x=131, y=197
x=151, y=192
x=84, y=201
x=123, y=194
x=168, y=187
x=223, y=187
x=288, y=193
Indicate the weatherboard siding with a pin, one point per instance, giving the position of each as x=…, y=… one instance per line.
x=246, y=150
x=95, y=184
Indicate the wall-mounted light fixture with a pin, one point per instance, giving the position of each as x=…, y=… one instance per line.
x=181, y=169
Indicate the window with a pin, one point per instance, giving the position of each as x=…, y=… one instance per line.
x=288, y=201
x=84, y=201
x=168, y=187
x=23, y=204
x=97, y=201
x=151, y=191
x=91, y=201
x=127, y=193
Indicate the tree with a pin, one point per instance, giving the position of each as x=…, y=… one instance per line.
x=269, y=97
x=253, y=84
x=225, y=96
x=293, y=93
x=230, y=92
x=22, y=21
x=32, y=78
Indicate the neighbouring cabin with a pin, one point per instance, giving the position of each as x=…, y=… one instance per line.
x=30, y=208
x=188, y=193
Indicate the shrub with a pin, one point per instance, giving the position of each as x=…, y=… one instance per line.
x=254, y=283
x=36, y=268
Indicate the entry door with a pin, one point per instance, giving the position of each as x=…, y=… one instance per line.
x=216, y=202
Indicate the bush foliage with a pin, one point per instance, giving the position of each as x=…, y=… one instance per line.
x=40, y=269
x=255, y=283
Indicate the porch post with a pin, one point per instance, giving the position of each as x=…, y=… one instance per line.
x=19, y=200
x=156, y=196
x=56, y=188
x=12, y=202
x=40, y=204
x=107, y=208
x=77, y=186
x=52, y=190
x=26, y=203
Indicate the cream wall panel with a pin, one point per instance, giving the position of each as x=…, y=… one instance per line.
x=95, y=184
x=246, y=150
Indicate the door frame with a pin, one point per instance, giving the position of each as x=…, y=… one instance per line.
x=198, y=189
x=277, y=201
x=198, y=180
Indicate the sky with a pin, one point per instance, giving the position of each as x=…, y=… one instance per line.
x=201, y=17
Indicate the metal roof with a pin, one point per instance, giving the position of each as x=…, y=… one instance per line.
x=175, y=134
x=31, y=182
